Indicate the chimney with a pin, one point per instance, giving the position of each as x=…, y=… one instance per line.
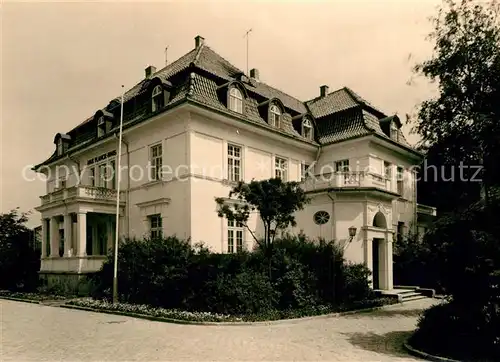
x=198, y=40
x=323, y=90
x=150, y=70
x=254, y=73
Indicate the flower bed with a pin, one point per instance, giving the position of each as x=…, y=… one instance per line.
x=154, y=312
x=31, y=296
x=146, y=310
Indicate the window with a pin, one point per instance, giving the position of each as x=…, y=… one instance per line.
x=60, y=148
x=113, y=174
x=92, y=176
x=387, y=170
x=342, y=166
x=155, y=226
x=233, y=163
x=235, y=232
x=156, y=162
x=103, y=175
x=157, y=98
x=235, y=100
x=394, y=131
x=321, y=217
x=304, y=167
x=101, y=127
x=307, y=130
x=61, y=182
x=400, y=180
x=280, y=168
x=275, y=116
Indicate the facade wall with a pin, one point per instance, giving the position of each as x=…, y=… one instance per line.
x=404, y=208
x=209, y=141
x=356, y=151
x=195, y=158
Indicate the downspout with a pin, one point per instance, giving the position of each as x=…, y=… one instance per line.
x=333, y=217
x=415, y=216
x=318, y=154
x=128, y=184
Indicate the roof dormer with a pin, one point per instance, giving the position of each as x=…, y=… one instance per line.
x=61, y=140
x=391, y=127
x=272, y=110
x=104, y=121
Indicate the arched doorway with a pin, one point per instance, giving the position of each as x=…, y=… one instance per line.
x=379, y=220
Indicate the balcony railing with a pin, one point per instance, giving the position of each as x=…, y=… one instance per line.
x=347, y=179
x=426, y=210
x=81, y=192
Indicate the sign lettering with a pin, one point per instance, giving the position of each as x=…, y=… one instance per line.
x=101, y=157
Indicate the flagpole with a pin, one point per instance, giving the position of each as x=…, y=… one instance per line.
x=117, y=222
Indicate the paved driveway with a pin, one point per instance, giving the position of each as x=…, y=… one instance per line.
x=32, y=332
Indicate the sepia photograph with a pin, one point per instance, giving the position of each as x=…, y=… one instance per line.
x=250, y=180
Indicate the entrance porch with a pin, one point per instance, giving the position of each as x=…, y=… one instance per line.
x=378, y=252
x=76, y=242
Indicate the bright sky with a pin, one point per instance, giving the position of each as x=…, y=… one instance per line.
x=63, y=61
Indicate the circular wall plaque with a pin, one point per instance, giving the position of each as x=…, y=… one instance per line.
x=321, y=217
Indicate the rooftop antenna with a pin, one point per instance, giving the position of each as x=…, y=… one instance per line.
x=246, y=35
x=166, y=58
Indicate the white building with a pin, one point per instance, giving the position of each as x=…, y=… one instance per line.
x=207, y=125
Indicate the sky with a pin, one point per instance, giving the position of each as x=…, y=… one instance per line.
x=62, y=61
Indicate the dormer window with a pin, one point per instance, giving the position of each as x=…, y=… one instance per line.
x=275, y=116
x=62, y=143
x=101, y=126
x=394, y=132
x=235, y=100
x=60, y=148
x=157, y=98
x=307, y=129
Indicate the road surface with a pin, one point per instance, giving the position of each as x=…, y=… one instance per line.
x=32, y=332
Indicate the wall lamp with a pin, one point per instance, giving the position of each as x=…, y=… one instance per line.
x=352, y=231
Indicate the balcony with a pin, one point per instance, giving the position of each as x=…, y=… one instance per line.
x=353, y=179
x=426, y=210
x=83, y=193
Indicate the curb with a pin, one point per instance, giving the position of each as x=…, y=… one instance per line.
x=180, y=321
x=21, y=300
x=427, y=356
x=47, y=302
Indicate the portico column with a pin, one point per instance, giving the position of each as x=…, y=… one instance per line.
x=54, y=237
x=67, y=235
x=368, y=249
x=388, y=267
x=81, y=234
x=44, y=238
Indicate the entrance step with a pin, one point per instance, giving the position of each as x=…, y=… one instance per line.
x=403, y=295
x=416, y=297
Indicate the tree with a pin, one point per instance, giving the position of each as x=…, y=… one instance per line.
x=461, y=127
x=462, y=124
x=275, y=201
x=19, y=262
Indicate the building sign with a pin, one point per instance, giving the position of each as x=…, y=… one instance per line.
x=101, y=157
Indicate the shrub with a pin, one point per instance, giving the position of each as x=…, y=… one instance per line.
x=469, y=249
x=451, y=330
x=355, y=283
x=171, y=274
x=245, y=293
